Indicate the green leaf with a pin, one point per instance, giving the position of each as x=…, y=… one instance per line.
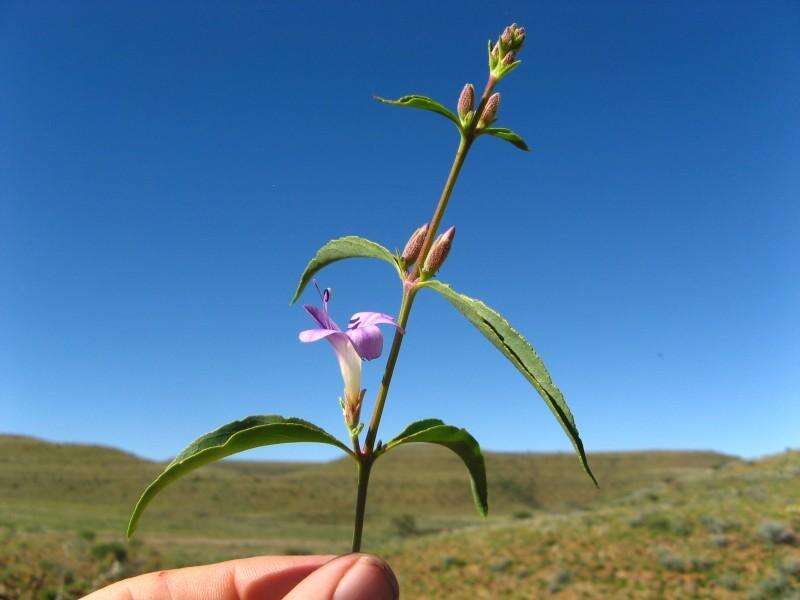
x=251, y=432
x=508, y=135
x=434, y=431
x=350, y=246
x=424, y=103
x=521, y=354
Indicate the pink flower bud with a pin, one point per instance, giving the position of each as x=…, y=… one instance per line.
x=489, y=113
x=439, y=252
x=352, y=411
x=466, y=100
x=509, y=58
x=414, y=245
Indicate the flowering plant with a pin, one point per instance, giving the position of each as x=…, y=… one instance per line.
x=416, y=266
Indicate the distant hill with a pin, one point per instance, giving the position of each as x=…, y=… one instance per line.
x=46, y=482
x=662, y=524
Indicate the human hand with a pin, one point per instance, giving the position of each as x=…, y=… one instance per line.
x=349, y=577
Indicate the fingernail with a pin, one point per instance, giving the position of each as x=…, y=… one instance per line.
x=368, y=579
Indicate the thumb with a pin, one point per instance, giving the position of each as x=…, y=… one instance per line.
x=350, y=577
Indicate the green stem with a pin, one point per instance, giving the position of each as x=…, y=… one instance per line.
x=408, y=292
x=364, y=467
x=366, y=457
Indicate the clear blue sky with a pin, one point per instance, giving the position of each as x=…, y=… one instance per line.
x=166, y=170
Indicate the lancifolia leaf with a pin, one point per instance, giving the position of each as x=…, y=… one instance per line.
x=521, y=354
x=434, y=431
x=350, y=246
x=508, y=135
x=251, y=432
x=424, y=103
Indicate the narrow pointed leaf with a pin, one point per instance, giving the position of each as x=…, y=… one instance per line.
x=508, y=135
x=251, y=432
x=434, y=431
x=350, y=246
x=424, y=103
x=521, y=354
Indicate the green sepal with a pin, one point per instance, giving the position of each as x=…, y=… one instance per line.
x=350, y=246
x=423, y=103
x=434, y=431
x=235, y=437
x=508, y=135
x=522, y=355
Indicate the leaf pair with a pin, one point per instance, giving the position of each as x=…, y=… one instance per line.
x=425, y=103
x=257, y=431
x=488, y=321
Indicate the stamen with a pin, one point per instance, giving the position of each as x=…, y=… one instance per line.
x=319, y=291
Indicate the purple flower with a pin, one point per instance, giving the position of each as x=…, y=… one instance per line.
x=361, y=340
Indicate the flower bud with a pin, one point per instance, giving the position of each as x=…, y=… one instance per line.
x=466, y=101
x=352, y=411
x=439, y=252
x=503, y=56
x=519, y=38
x=414, y=245
x=507, y=37
x=489, y=113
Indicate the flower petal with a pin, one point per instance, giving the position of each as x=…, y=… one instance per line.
x=321, y=316
x=349, y=365
x=313, y=335
x=365, y=319
x=367, y=340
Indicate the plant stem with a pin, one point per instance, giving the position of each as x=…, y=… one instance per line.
x=409, y=292
x=364, y=467
x=386, y=380
x=366, y=457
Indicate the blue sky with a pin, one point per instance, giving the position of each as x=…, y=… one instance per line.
x=167, y=171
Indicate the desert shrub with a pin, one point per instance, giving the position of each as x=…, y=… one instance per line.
x=679, y=564
x=717, y=525
x=115, y=549
x=774, y=586
x=559, y=580
x=700, y=563
x=636, y=520
x=680, y=527
x=719, y=540
x=524, y=574
x=729, y=581
x=671, y=562
x=405, y=525
x=790, y=566
x=661, y=523
x=296, y=551
x=777, y=533
x=522, y=514
x=656, y=522
x=501, y=566
x=452, y=562
x=87, y=535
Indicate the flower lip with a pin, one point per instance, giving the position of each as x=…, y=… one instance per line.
x=362, y=329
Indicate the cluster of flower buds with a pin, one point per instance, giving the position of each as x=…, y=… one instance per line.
x=489, y=113
x=466, y=101
x=438, y=253
x=414, y=246
x=503, y=55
